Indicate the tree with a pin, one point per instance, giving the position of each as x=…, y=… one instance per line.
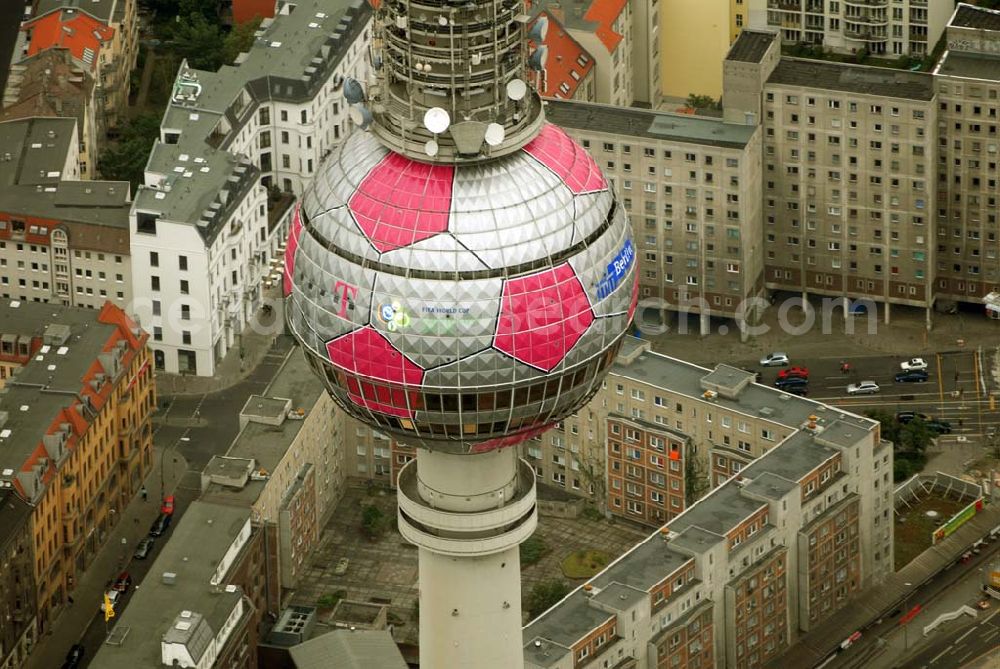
x=239, y=40
x=200, y=41
x=915, y=437
x=373, y=522
x=544, y=595
x=890, y=427
x=701, y=101
x=126, y=159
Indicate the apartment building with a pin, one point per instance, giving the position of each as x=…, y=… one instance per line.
x=18, y=632
x=691, y=186
x=202, y=601
x=605, y=29
x=19, y=342
x=102, y=35
x=52, y=84
x=287, y=466
x=764, y=557
x=62, y=240
x=569, y=74
x=75, y=436
x=236, y=146
x=898, y=28
x=967, y=83
x=849, y=157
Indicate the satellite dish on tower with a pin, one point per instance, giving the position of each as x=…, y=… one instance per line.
x=495, y=134
x=361, y=116
x=516, y=89
x=431, y=148
x=538, y=58
x=354, y=92
x=539, y=30
x=436, y=120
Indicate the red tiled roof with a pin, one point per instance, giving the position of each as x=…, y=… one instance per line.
x=604, y=13
x=565, y=57
x=71, y=30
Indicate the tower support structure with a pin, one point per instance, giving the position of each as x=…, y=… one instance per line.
x=467, y=514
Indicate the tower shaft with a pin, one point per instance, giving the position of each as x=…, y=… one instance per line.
x=467, y=514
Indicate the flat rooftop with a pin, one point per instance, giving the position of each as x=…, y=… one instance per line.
x=632, y=122
x=192, y=554
x=750, y=46
x=970, y=16
x=863, y=79
x=267, y=444
x=969, y=66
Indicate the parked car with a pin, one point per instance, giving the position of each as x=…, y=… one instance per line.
x=794, y=385
x=939, y=426
x=160, y=525
x=904, y=417
x=912, y=376
x=123, y=582
x=863, y=388
x=74, y=657
x=794, y=372
x=143, y=548
x=167, y=506
x=776, y=359
x=913, y=363
x=113, y=597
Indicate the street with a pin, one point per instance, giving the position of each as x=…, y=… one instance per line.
x=197, y=427
x=954, y=391
x=964, y=645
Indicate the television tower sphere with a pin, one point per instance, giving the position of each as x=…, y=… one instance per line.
x=460, y=307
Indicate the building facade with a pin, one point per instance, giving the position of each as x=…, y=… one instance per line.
x=78, y=450
x=906, y=28
x=691, y=186
x=741, y=573
x=62, y=240
x=18, y=632
x=208, y=226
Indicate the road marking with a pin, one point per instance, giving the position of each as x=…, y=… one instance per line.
x=965, y=657
x=971, y=630
x=940, y=379
x=943, y=652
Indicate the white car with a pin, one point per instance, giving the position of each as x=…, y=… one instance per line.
x=774, y=360
x=913, y=363
x=863, y=388
x=113, y=596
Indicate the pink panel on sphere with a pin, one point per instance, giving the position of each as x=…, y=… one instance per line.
x=542, y=316
x=554, y=149
x=372, y=359
x=402, y=202
x=293, y=245
x=510, y=440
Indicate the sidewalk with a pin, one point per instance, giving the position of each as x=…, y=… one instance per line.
x=228, y=373
x=906, y=335
x=74, y=619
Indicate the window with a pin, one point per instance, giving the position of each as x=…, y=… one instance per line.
x=185, y=312
x=154, y=282
x=184, y=287
x=154, y=259
x=182, y=263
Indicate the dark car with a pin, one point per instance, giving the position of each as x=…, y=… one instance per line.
x=912, y=376
x=801, y=391
x=123, y=582
x=939, y=426
x=904, y=417
x=160, y=525
x=143, y=548
x=791, y=382
x=74, y=657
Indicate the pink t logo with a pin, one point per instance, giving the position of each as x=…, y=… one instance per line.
x=347, y=292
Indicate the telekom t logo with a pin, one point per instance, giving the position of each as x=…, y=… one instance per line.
x=347, y=293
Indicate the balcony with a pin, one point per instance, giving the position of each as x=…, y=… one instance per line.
x=864, y=34
x=867, y=3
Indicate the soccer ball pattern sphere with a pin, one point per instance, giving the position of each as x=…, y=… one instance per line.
x=460, y=307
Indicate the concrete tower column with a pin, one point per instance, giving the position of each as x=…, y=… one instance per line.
x=467, y=514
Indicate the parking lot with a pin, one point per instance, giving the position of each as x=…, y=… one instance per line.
x=954, y=392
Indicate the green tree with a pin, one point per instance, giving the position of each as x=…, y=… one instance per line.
x=126, y=159
x=374, y=522
x=200, y=41
x=701, y=101
x=240, y=39
x=544, y=595
x=915, y=437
